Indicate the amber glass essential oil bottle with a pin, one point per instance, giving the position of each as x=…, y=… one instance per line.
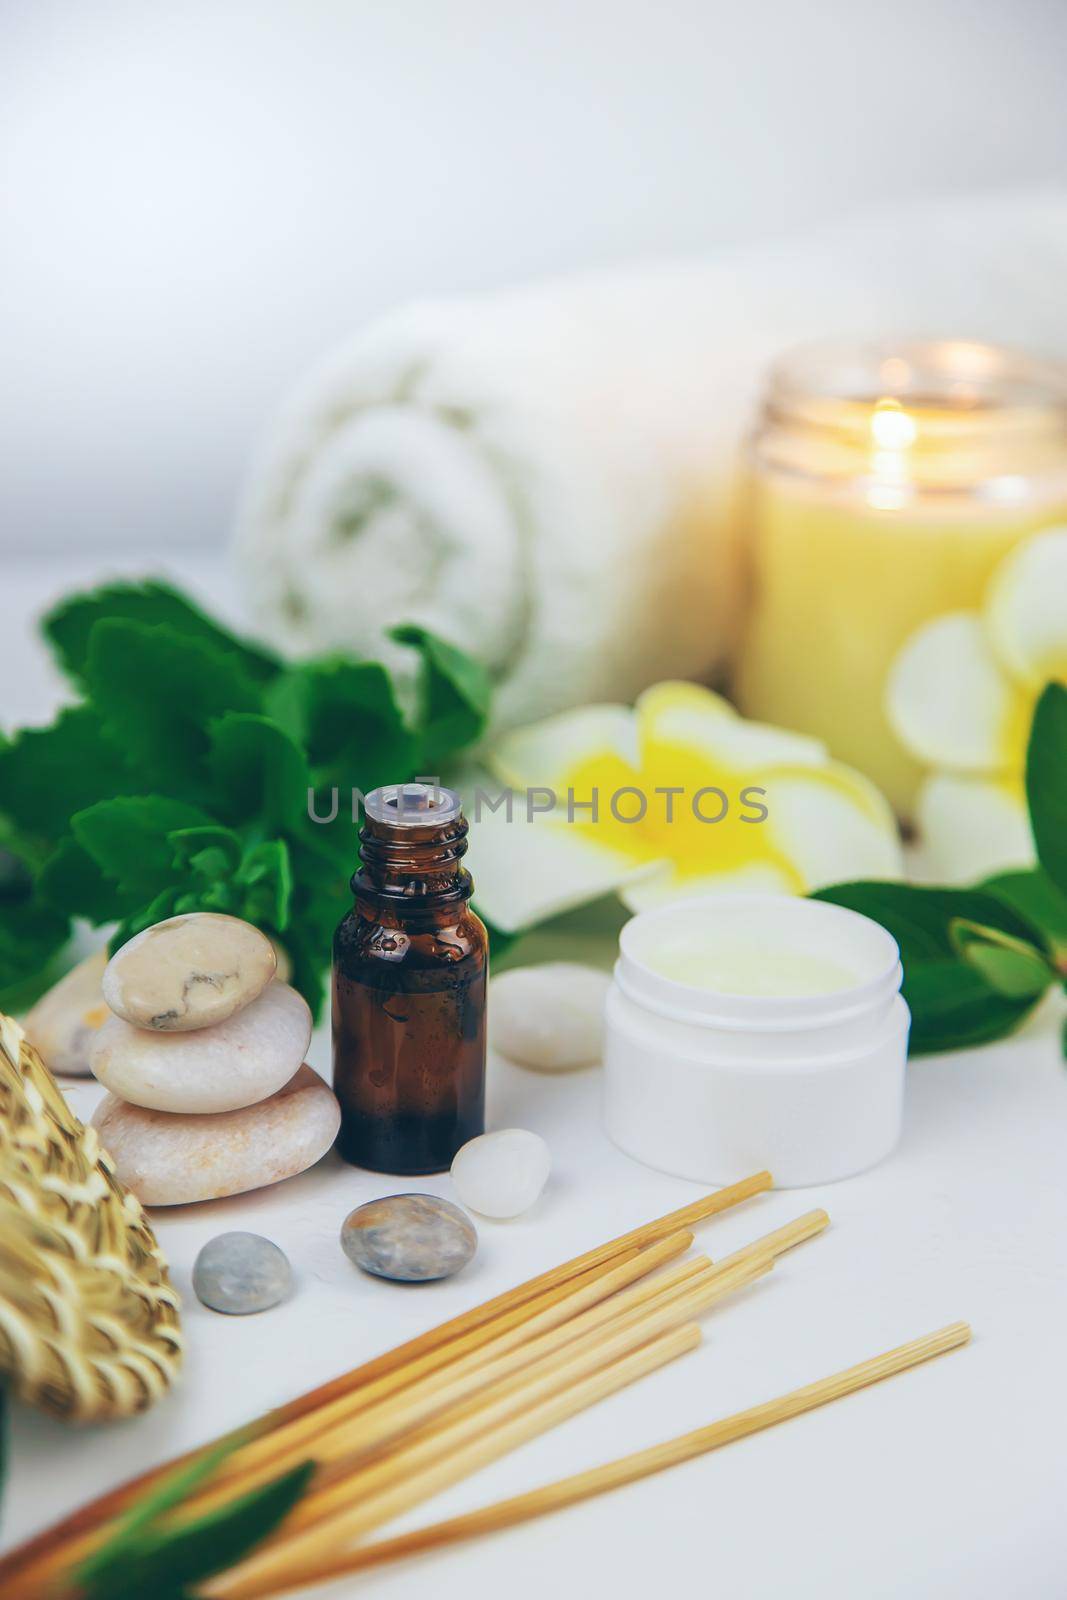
x=409, y=975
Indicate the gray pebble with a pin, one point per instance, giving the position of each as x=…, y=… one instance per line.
x=411, y=1238
x=241, y=1272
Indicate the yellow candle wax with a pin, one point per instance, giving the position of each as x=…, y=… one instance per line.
x=883, y=488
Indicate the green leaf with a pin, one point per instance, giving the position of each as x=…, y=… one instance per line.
x=129, y=839
x=266, y=877
x=46, y=774
x=166, y=1496
x=157, y=692
x=258, y=776
x=155, y=1553
x=166, y=904
x=1046, y=782
x=207, y=853
x=920, y=918
x=348, y=714
x=1012, y=967
x=226, y=1536
x=454, y=694
x=16, y=878
x=71, y=881
x=1035, y=897
x=30, y=935
x=953, y=1008
x=953, y=1003
x=68, y=627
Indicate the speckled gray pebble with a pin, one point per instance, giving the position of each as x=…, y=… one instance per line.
x=241, y=1272
x=410, y=1238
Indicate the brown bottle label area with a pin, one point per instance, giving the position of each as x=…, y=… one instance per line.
x=409, y=1066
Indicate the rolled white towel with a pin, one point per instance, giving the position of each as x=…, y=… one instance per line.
x=544, y=475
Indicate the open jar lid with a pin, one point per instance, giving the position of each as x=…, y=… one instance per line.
x=823, y=962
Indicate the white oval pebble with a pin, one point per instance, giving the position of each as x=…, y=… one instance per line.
x=189, y=972
x=239, y=1061
x=173, y=1160
x=550, y=1017
x=64, y=1022
x=502, y=1174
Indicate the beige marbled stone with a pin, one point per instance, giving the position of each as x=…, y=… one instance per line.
x=65, y=1020
x=174, y=1160
x=236, y=1063
x=189, y=972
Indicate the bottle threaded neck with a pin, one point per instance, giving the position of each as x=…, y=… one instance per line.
x=413, y=862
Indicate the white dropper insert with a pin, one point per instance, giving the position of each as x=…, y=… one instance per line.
x=412, y=805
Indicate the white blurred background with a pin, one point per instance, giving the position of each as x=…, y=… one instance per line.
x=199, y=196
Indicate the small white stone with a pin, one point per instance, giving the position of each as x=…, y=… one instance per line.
x=236, y=1063
x=171, y=1160
x=502, y=1174
x=65, y=1020
x=189, y=972
x=551, y=1017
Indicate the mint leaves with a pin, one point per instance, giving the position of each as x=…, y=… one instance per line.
x=977, y=961
x=68, y=628
x=180, y=781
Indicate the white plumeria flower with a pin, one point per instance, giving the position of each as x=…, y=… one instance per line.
x=961, y=695
x=793, y=819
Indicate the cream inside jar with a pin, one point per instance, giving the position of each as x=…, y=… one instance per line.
x=749, y=1031
x=713, y=960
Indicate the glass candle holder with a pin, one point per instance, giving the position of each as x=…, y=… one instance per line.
x=883, y=485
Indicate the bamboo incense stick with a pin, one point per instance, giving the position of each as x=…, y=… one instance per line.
x=515, y=1329
x=287, y=1562
x=782, y=1239
x=344, y=1428
x=629, y=1469
x=56, y=1546
x=370, y=1430
x=552, y=1369
x=374, y=1487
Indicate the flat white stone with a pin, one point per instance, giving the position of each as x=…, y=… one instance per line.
x=189, y=972
x=551, y=1017
x=502, y=1174
x=65, y=1020
x=236, y=1063
x=172, y=1160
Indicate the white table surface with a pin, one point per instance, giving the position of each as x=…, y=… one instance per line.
x=944, y=1482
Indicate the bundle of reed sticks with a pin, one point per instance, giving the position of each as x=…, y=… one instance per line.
x=398, y=1430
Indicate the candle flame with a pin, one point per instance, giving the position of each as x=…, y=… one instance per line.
x=891, y=426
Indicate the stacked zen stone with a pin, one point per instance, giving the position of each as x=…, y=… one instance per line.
x=204, y=1058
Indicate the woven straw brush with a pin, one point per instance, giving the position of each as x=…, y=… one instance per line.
x=89, y=1325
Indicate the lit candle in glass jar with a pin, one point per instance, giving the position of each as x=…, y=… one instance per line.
x=885, y=483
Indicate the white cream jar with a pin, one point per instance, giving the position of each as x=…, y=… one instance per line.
x=749, y=1031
